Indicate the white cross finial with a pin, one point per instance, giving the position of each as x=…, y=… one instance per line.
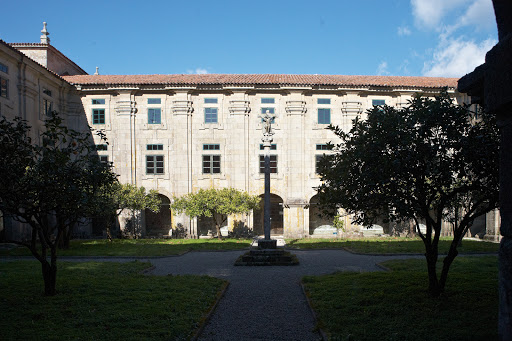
x=44, y=36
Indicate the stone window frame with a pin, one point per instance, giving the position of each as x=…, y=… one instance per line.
x=154, y=146
x=4, y=68
x=211, y=164
x=155, y=164
x=154, y=116
x=98, y=116
x=4, y=87
x=324, y=116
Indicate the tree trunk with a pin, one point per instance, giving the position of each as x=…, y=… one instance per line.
x=452, y=253
x=217, y=227
x=434, y=288
x=50, y=273
x=65, y=238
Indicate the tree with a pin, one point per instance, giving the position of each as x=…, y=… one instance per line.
x=49, y=184
x=421, y=163
x=215, y=203
x=117, y=197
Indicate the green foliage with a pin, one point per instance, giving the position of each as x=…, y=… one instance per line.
x=338, y=223
x=215, y=203
x=49, y=184
x=371, y=306
x=114, y=198
x=419, y=163
x=142, y=308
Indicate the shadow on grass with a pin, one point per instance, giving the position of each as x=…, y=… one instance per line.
x=102, y=301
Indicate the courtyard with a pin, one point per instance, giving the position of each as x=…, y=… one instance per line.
x=332, y=293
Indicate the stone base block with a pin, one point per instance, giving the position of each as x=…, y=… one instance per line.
x=267, y=257
x=264, y=244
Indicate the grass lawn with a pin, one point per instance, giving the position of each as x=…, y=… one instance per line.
x=389, y=245
x=102, y=301
x=138, y=247
x=395, y=305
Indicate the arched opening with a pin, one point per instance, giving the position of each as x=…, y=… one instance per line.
x=159, y=223
x=317, y=220
x=276, y=216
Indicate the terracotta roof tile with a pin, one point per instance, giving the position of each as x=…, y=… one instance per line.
x=264, y=79
x=10, y=46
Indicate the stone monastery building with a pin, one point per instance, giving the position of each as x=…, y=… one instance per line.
x=179, y=133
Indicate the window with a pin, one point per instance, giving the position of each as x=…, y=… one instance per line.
x=318, y=158
x=211, y=146
x=47, y=92
x=211, y=164
x=154, y=101
x=154, y=164
x=273, y=146
x=104, y=158
x=4, y=68
x=154, y=116
x=322, y=147
x=324, y=116
x=323, y=101
x=98, y=101
x=154, y=147
x=47, y=107
x=4, y=87
x=98, y=116
x=101, y=147
x=273, y=164
x=268, y=100
x=210, y=101
x=210, y=115
x=378, y=102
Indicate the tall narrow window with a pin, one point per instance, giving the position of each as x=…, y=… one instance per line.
x=4, y=87
x=211, y=164
x=273, y=164
x=154, y=164
x=210, y=115
x=324, y=116
x=318, y=158
x=47, y=106
x=98, y=116
x=154, y=116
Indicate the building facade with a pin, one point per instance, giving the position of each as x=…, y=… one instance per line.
x=179, y=133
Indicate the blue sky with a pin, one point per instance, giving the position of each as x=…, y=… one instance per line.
x=364, y=37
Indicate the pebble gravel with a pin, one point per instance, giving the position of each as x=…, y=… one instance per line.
x=264, y=302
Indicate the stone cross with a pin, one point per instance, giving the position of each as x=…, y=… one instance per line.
x=267, y=139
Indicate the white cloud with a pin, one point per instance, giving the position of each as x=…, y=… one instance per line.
x=382, y=69
x=403, y=31
x=456, y=57
x=429, y=13
x=480, y=14
x=198, y=71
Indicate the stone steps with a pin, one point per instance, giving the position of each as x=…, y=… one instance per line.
x=267, y=257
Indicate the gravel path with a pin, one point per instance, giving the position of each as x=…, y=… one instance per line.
x=264, y=302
